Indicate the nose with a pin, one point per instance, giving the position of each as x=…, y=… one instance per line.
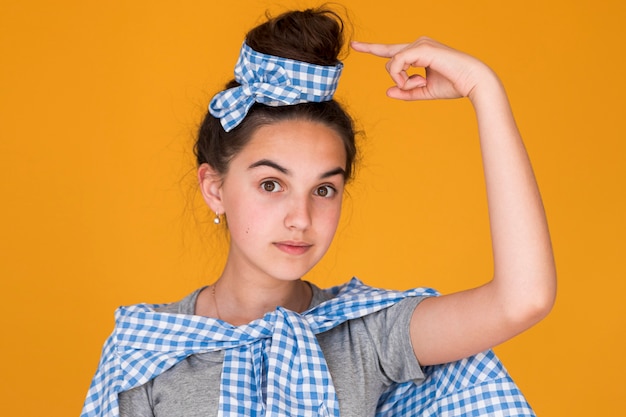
x=298, y=216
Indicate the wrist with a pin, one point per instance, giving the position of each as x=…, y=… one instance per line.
x=487, y=89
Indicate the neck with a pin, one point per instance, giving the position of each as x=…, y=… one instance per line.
x=239, y=300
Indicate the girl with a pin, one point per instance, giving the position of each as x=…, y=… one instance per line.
x=274, y=154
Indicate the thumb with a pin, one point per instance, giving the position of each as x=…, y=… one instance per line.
x=419, y=93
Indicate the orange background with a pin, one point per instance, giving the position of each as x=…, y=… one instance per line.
x=99, y=102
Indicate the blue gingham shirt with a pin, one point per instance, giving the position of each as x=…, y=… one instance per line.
x=281, y=350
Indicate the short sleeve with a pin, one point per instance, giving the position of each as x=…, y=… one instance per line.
x=390, y=334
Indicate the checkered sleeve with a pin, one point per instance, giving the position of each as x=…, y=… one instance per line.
x=102, y=395
x=475, y=386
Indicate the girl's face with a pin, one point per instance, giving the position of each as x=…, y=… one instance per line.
x=282, y=197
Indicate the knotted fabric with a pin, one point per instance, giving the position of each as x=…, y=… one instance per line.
x=273, y=81
x=275, y=367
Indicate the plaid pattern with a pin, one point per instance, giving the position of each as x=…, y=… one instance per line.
x=273, y=81
x=475, y=386
x=280, y=352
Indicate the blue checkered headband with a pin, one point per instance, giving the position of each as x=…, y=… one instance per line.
x=273, y=81
x=145, y=343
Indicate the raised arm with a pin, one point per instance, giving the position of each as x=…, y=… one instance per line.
x=523, y=287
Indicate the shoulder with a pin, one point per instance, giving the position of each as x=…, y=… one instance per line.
x=382, y=316
x=187, y=305
x=356, y=299
x=377, y=343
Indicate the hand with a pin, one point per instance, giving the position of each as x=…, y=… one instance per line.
x=449, y=73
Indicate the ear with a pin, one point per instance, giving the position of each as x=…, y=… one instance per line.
x=211, y=187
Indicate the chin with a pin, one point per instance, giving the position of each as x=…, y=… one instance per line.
x=290, y=274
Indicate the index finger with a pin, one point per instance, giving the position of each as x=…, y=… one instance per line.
x=378, y=49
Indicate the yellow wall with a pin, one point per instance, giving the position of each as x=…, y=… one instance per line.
x=98, y=105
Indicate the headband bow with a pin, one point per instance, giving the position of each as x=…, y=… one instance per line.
x=273, y=81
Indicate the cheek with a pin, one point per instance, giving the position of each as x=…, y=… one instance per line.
x=247, y=219
x=330, y=219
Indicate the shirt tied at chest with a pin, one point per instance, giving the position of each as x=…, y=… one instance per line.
x=274, y=366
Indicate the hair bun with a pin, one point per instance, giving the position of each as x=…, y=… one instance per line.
x=312, y=35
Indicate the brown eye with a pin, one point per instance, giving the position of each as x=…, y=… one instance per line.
x=325, y=191
x=271, y=186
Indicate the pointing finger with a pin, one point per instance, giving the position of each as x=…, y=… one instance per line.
x=378, y=49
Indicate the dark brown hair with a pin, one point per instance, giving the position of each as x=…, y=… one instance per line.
x=312, y=35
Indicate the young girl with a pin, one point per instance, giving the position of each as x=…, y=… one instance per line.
x=274, y=153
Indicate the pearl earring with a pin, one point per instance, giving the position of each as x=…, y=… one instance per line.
x=217, y=220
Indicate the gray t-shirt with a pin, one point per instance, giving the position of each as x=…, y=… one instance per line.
x=364, y=357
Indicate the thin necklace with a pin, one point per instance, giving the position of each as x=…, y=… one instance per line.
x=217, y=311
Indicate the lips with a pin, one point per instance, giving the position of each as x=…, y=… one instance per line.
x=292, y=247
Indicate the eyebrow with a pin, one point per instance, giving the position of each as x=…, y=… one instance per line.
x=333, y=172
x=272, y=164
